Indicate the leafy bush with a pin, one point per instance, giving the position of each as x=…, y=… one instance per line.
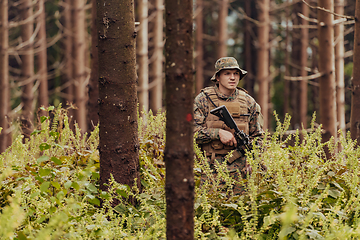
x=49, y=188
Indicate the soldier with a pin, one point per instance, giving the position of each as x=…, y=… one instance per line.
x=213, y=136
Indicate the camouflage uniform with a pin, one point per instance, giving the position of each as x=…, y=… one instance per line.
x=206, y=135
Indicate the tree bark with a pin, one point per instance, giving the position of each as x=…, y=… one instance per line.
x=93, y=106
x=339, y=68
x=249, y=50
x=119, y=145
x=199, y=59
x=157, y=68
x=27, y=68
x=79, y=74
x=355, y=99
x=179, y=154
x=68, y=80
x=4, y=76
x=142, y=50
x=263, y=58
x=223, y=35
x=43, y=99
x=303, y=103
x=326, y=67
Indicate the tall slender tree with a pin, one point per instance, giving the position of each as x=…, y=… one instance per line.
x=304, y=42
x=263, y=57
x=43, y=99
x=79, y=74
x=179, y=154
x=199, y=52
x=93, y=107
x=355, y=99
x=143, y=57
x=157, y=68
x=4, y=76
x=222, y=29
x=339, y=66
x=27, y=67
x=326, y=67
x=119, y=145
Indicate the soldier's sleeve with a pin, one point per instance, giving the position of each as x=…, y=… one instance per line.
x=256, y=121
x=201, y=109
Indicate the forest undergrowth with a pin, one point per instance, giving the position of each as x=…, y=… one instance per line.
x=49, y=188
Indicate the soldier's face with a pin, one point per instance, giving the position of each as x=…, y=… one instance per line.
x=228, y=80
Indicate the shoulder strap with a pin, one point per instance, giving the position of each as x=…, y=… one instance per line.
x=206, y=91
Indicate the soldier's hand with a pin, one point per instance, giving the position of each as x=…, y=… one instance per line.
x=227, y=138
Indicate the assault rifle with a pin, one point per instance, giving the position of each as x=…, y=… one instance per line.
x=242, y=139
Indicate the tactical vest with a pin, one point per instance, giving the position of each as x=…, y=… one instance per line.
x=240, y=113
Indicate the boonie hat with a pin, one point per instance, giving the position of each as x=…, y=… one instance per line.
x=227, y=63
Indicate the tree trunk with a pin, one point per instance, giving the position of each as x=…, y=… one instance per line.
x=179, y=154
x=157, y=68
x=199, y=53
x=287, y=65
x=43, y=99
x=355, y=99
x=339, y=68
x=119, y=145
x=68, y=80
x=223, y=36
x=79, y=74
x=326, y=67
x=304, y=42
x=248, y=50
x=263, y=58
x=142, y=50
x=4, y=76
x=27, y=68
x=93, y=107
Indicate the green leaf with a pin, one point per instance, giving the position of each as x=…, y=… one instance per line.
x=34, y=194
x=334, y=193
x=51, y=108
x=42, y=159
x=68, y=184
x=91, y=188
x=122, y=193
x=44, y=186
x=36, y=132
x=56, y=160
x=43, y=118
x=44, y=146
x=56, y=185
x=54, y=134
x=21, y=236
x=94, y=201
x=44, y=172
x=75, y=185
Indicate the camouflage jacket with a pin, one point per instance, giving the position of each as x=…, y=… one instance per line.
x=201, y=111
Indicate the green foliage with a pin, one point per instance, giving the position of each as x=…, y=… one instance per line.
x=49, y=188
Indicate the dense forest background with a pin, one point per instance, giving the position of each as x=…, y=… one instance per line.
x=51, y=49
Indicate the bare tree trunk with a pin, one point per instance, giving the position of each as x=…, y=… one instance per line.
x=93, y=107
x=263, y=58
x=287, y=65
x=303, y=103
x=223, y=36
x=119, y=145
x=142, y=50
x=157, y=69
x=248, y=49
x=68, y=57
x=43, y=99
x=79, y=74
x=4, y=76
x=326, y=66
x=179, y=153
x=27, y=68
x=199, y=52
x=339, y=67
x=355, y=99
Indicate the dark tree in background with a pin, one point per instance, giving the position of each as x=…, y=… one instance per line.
x=119, y=145
x=179, y=153
x=355, y=98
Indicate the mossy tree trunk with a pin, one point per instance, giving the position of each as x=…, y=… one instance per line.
x=4, y=76
x=119, y=145
x=179, y=154
x=355, y=98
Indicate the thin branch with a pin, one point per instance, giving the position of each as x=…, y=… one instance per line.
x=328, y=11
x=304, y=78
